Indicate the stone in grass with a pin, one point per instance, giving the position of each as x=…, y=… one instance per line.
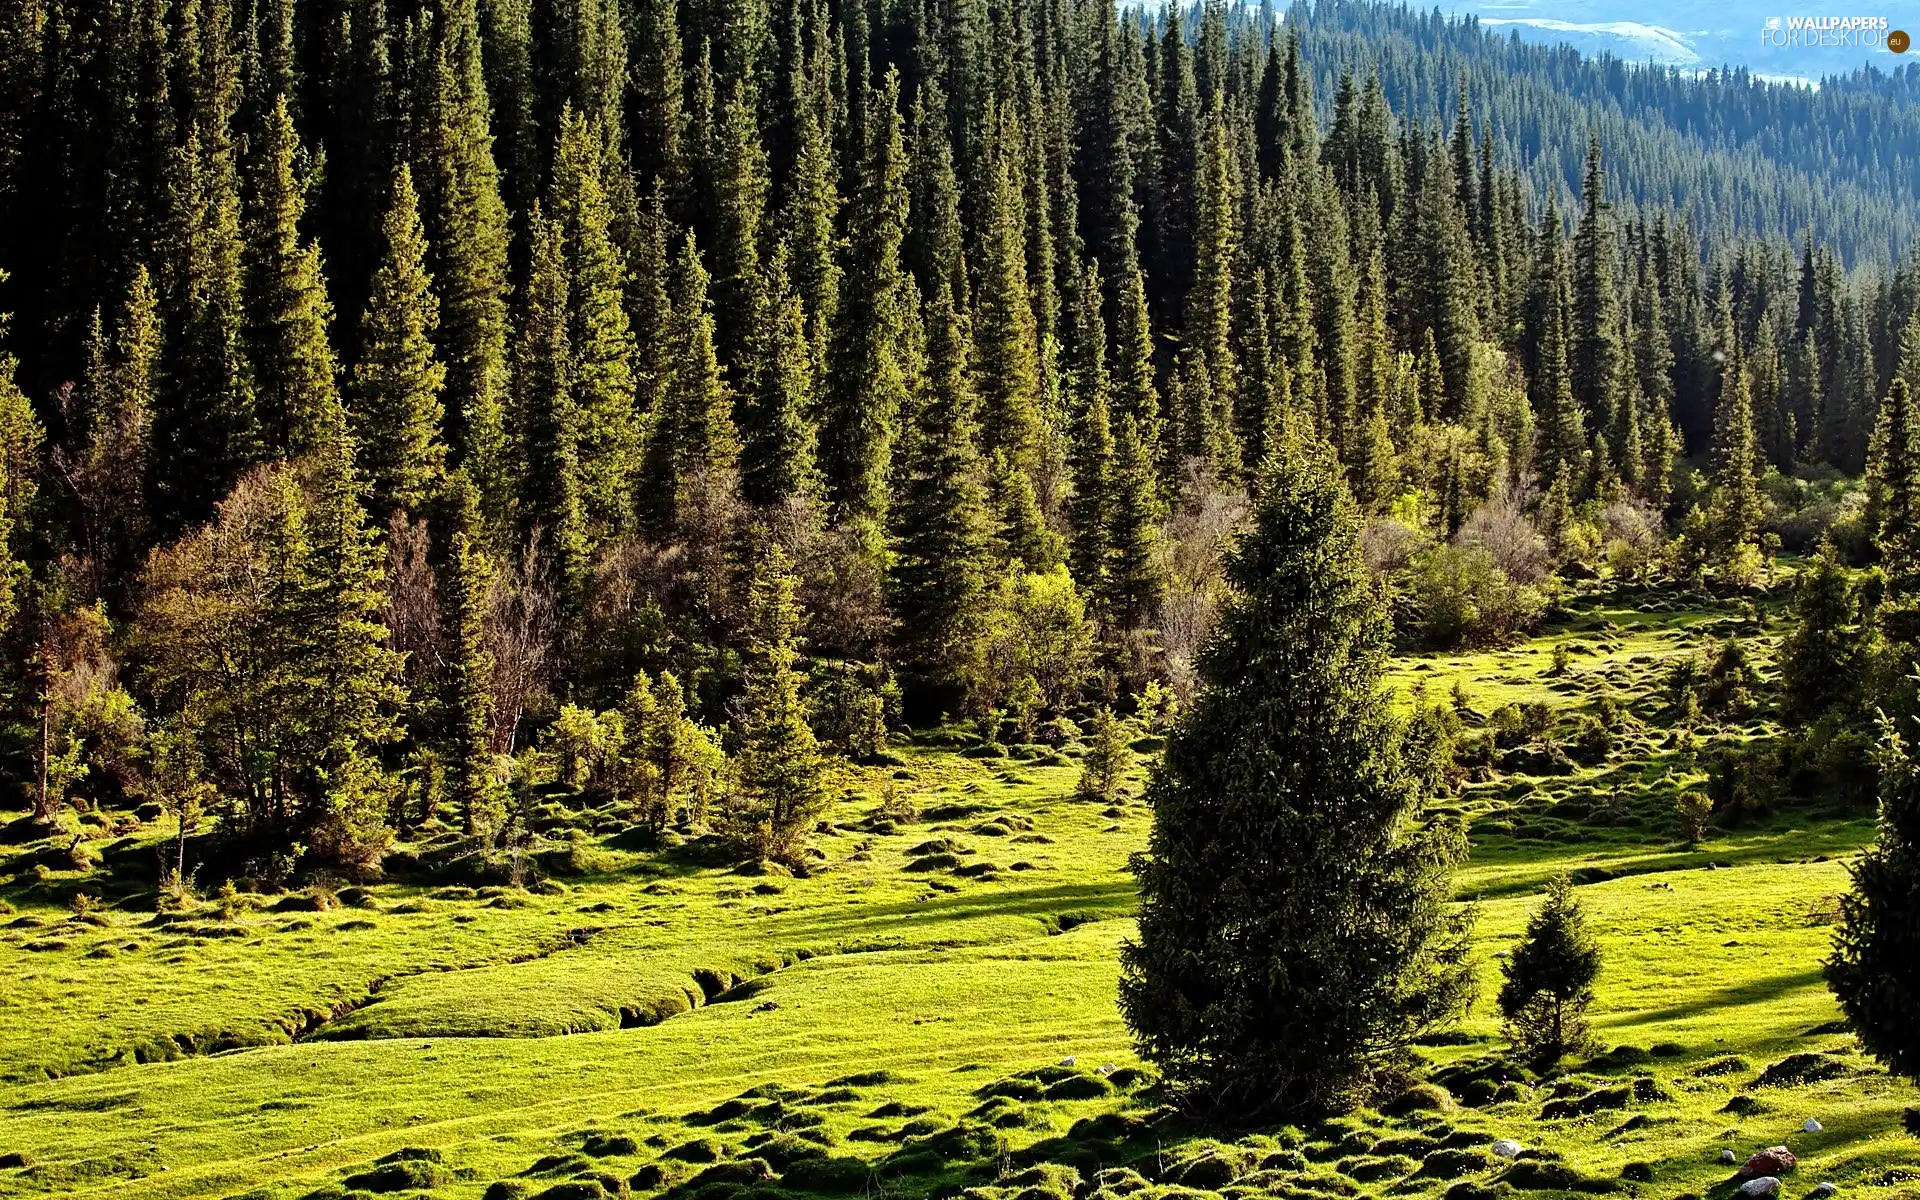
x=1822, y=1191
x=1811, y=1125
x=1728, y=1158
x=1774, y=1160
x=1760, y=1189
x=1507, y=1148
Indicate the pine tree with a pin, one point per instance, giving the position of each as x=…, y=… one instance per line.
x=547, y=420
x=778, y=462
x=1006, y=351
x=1562, y=444
x=1819, y=657
x=867, y=385
x=780, y=776
x=1737, y=507
x=1092, y=505
x=695, y=444
x=1593, y=353
x=1294, y=930
x=398, y=380
x=113, y=471
x=938, y=581
x=598, y=335
x=288, y=311
x=1210, y=432
x=739, y=173
x=1549, y=977
x=469, y=667
x=1874, y=970
x=468, y=233
x=1134, y=582
x=1107, y=761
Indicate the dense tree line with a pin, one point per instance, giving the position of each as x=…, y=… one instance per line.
x=698, y=389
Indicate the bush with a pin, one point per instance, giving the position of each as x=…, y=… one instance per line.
x=1459, y=595
x=1107, y=761
x=1694, y=809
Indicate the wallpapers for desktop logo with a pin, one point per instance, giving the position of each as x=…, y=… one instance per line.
x=1859, y=33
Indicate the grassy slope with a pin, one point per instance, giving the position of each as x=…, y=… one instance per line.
x=926, y=979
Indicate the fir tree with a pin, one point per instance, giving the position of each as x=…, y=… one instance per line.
x=937, y=585
x=1874, y=970
x=778, y=459
x=779, y=772
x=1549, y=977
x=1107, y=760
x=696, y=448
x=1273, y=977
x=1737, y=507
x=867, y=385
x=289, y=313
x=398, y=380
x=1006, y=352
x=547, y=419
x=469, y=236
x=1819, y=657
x=599, y=337
x=469, y=668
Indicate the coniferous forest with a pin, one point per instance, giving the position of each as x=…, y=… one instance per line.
x=453, y=447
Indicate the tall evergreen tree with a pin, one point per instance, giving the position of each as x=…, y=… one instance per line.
x=780, y=774
x=398, y=380
x=1874, y=969
x=1274, y=975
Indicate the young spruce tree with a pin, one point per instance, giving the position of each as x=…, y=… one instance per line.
x=1295, y=933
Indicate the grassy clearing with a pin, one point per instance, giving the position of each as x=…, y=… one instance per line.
x=900, y=1021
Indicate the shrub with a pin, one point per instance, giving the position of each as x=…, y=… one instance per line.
x=1549, y=979
x=1694, y=808
x=1460, y=596
x=1107, y=760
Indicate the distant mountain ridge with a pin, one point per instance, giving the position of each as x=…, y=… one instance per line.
x=1734, y=151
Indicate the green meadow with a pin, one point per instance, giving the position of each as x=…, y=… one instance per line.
x=929, y=1009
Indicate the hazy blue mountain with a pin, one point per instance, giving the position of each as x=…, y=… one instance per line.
x=1688, y=34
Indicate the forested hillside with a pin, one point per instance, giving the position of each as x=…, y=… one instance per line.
x=701, y=392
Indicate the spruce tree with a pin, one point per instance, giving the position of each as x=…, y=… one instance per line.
x=292, y=362
x=1737, y=509
x=1548, y=979
x=779, y=773
x=398, y=380
x=1005, y=338
x=1134, y=582
x=598, y=334
x=867, y=384
x=739, y=172
x=938, y=582
x=469, y=667
x=696, y=447
x=1819, y=656
x=469, y=234
x=1594, y=350
x=1295, y=931
x=1874, y=970
x=778, y=461
x=546, y=418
